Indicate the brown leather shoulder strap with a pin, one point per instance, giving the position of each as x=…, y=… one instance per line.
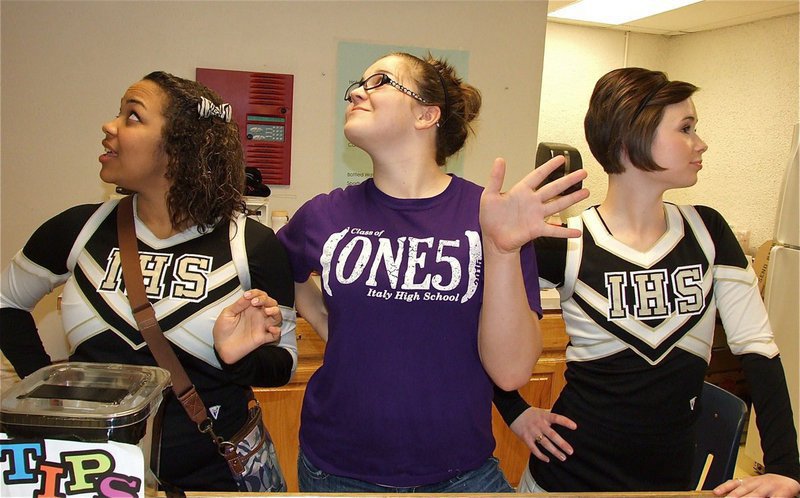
x=146, y=317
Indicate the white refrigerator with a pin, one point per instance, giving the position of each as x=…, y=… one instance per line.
x=781, y=295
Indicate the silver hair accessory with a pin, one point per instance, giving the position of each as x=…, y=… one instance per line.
x=208, y=109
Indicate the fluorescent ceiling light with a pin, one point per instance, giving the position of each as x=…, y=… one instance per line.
x=617, y=11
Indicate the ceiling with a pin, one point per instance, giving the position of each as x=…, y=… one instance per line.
x=706, y=15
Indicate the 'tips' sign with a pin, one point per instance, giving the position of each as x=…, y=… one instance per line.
x=50, y=468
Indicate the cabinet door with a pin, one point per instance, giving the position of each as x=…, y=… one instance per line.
x=510, y=450
x=281, y=412
x=281, y=405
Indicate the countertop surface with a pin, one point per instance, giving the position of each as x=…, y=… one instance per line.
x=643, y=494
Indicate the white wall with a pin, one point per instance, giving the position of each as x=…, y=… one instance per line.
x=65, y=66
x=747, y=105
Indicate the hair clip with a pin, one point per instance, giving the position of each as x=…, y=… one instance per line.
x=208, y=109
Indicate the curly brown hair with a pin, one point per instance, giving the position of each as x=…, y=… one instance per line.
x=206, y=163
x=460, y=103
x=625, y=109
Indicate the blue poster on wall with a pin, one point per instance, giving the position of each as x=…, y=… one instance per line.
x=351, y=164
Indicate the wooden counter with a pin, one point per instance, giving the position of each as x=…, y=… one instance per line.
x=281, y=405
x=638, y=494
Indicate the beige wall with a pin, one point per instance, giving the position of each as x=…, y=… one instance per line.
x=65, y=66
x=747, y=106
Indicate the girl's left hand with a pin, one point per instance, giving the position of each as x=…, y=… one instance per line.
x=511, y=219
x=252, y=321
x=767, y=485
x=534, y=427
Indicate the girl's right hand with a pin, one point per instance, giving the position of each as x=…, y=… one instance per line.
x=252, y=321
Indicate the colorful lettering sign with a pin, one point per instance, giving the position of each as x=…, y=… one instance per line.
x=52, y=468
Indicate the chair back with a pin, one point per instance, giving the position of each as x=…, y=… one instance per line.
x=718, y=432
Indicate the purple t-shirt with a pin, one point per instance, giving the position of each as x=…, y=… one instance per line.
x=401, y=398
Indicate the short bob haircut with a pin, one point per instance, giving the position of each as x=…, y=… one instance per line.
x=625, y=110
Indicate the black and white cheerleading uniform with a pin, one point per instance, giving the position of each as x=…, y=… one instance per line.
x=640, y=327
x=189, y=278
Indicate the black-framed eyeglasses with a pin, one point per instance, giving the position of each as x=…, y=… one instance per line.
x=380, y=79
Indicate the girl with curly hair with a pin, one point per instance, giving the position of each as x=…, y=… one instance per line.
x=173, y=146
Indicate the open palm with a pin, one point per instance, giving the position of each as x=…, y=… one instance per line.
x=511, y=219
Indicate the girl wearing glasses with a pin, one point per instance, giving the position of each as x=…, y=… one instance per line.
x=428, y=293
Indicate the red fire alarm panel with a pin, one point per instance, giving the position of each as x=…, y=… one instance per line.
x=262, y=107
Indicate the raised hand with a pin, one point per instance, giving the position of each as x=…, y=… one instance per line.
x=511, y=219
x=534, y=427
x=253, y=320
